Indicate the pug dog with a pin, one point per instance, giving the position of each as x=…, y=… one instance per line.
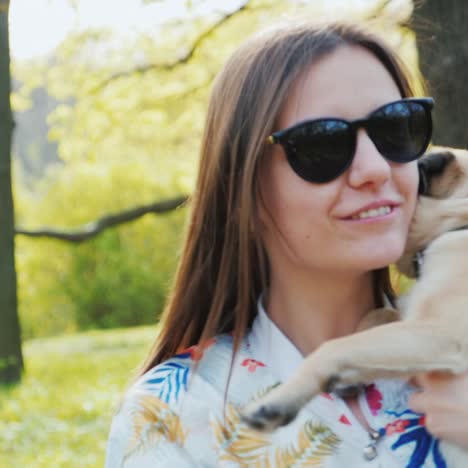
x=432, y=332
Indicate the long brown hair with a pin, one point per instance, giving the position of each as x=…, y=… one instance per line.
x=223, y=267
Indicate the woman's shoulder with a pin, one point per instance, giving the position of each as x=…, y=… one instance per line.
x=199, y=379
x=149, y=418
x=172, y=406
x=204, y=369
x=170, y=380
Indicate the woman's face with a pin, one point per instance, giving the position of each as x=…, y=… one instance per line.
x=311, y=226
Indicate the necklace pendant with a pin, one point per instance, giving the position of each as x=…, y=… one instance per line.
x=370, y=452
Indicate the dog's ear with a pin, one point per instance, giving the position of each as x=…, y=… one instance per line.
x=432, y=165
x=423, y=187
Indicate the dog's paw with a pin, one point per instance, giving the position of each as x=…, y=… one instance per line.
x=344, y=390
x=349, y=391
x=268, y=417
x=331, y=384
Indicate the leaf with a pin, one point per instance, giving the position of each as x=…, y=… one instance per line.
x=238, y=443
x=154, y=420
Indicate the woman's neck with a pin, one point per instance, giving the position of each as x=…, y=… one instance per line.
x=311, y=310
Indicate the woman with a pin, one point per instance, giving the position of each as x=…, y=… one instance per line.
x=288, y=246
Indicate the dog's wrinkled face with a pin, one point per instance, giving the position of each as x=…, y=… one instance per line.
x=443, y=175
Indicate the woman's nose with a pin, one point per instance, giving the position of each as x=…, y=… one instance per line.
x=369, y=167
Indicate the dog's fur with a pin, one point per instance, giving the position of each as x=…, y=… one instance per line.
x=433, y=332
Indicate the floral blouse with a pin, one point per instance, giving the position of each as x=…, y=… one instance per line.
x=176, y=417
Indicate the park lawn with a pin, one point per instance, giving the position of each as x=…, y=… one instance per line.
x=59, y=416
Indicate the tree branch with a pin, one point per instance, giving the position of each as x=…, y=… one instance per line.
x=181, y=60
x=94, y=228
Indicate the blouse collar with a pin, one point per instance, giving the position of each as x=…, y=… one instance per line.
x=272, y=347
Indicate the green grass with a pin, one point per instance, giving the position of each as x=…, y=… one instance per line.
x=59, y=416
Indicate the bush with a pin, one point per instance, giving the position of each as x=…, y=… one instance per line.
x=119, y=278
x=115, y=280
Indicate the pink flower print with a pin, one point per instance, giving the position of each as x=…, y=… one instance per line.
x=196, y=351
x=343, y=419
x=252, y=364
x=396, y=426
x=374, y=399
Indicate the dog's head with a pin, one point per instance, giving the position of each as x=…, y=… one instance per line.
x=443, y=174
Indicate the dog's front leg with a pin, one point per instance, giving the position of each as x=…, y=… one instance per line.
x=399, y=349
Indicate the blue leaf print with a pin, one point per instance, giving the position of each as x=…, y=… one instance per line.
x=423, y=444
x=415, y=432
x=167, y=379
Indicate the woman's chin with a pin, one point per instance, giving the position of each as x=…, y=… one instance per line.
x=376, y=257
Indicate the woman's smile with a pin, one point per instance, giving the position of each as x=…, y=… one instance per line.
x=382, y=210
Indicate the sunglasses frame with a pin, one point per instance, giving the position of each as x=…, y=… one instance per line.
x=281, y=136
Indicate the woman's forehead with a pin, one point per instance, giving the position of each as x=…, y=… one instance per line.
x=349, y=83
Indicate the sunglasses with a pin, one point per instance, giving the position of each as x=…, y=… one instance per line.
x=320, y=150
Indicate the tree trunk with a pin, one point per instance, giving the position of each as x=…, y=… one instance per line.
x=11, y=359
x=442, y=37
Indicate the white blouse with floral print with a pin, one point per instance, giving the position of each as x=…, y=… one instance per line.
x=176, y=418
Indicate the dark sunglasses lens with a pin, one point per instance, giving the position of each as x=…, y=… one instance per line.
x=401, y=131
x=320, y=151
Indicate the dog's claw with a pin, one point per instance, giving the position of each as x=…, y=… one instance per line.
x=331, y=384
x=343, y=390
x=349, y=391
x=268, y=417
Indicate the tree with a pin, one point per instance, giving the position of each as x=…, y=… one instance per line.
x=443, y=59
x=11, y=359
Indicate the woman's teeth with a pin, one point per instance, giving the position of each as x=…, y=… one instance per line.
x=383, y=210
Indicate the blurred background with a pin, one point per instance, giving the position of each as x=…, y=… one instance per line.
x=108, y=100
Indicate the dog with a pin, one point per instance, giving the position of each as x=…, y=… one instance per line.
x=432, y=334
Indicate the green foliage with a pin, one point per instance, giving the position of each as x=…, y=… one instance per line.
x=120, y=277
x=60, y=415
x=113, y=282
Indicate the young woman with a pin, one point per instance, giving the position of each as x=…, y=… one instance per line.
x=296, y=215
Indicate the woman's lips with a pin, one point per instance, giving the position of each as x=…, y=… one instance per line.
x=372, y=215
x=376, y=208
